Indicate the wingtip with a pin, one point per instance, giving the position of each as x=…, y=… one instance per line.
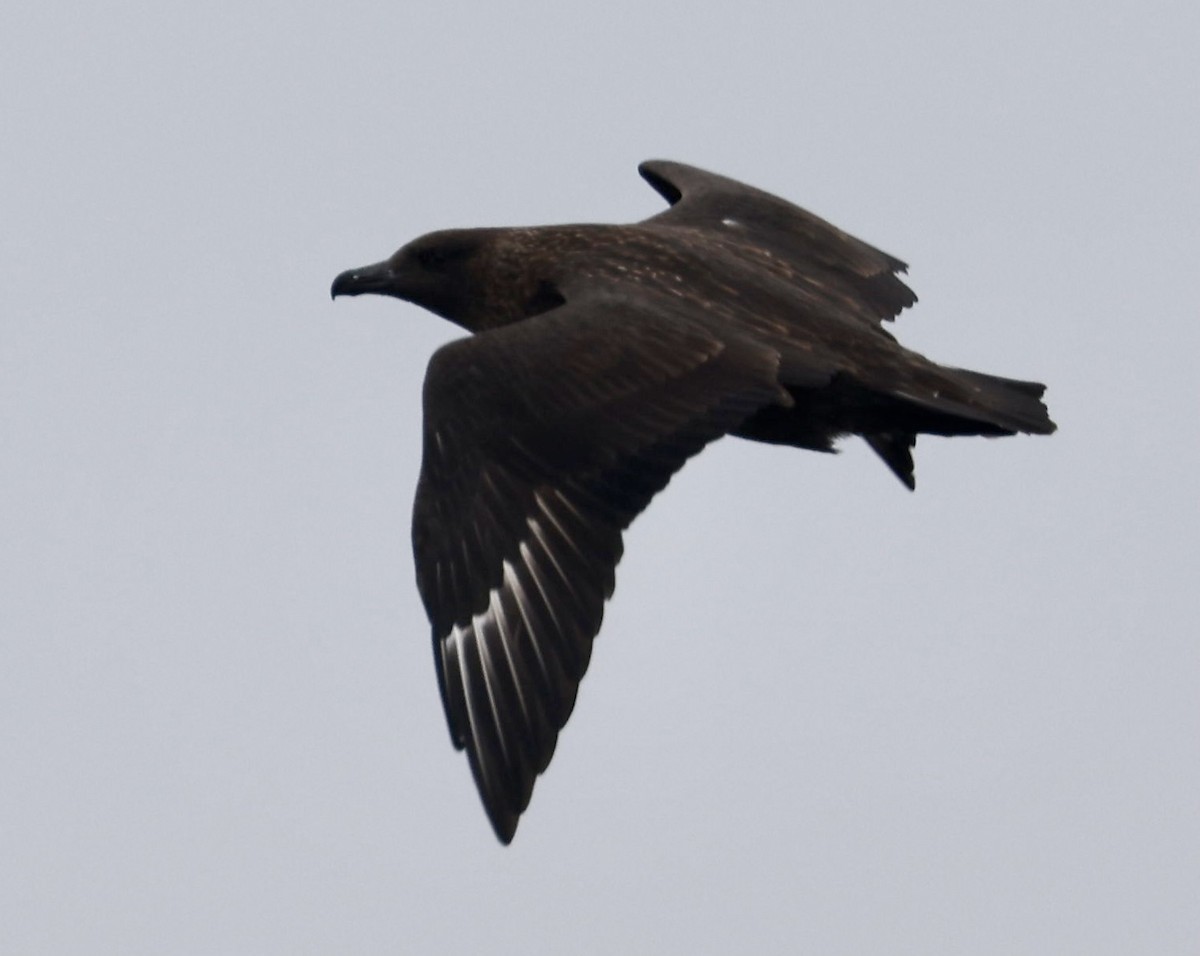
x=657, y=173
x=649, y=167
x=499, y=813
x=504, y=826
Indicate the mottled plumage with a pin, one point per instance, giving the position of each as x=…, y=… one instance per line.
x=604, y=357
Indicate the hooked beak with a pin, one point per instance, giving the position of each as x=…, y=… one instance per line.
x=377, y=278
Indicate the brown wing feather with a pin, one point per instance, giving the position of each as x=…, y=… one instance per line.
x=788, y=240
x=543, y=441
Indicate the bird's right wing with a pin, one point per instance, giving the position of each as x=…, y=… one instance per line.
x=543, y=441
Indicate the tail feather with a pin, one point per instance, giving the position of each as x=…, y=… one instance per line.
x=964, y=403
x=1017, y=401
x=974, y=403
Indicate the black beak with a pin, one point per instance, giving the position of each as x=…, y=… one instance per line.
x=377, y=278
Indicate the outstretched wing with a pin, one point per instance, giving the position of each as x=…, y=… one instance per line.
x=543, y=440
x=860, y=279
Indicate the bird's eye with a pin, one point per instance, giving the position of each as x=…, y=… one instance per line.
x=432, y=258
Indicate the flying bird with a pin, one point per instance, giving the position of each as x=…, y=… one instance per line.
x=603, y=357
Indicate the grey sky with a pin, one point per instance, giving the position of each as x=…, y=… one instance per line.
x=824, y=715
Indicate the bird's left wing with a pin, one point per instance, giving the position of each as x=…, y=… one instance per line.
x=543, y=441
x=855, y=278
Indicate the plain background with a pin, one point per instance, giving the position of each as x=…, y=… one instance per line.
x=824, y=715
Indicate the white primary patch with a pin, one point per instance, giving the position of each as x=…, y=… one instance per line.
x=480, y=623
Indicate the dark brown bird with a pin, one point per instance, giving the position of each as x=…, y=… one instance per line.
x=604, y=357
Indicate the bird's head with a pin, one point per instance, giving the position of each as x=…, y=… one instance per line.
x=476, y=278
x=445, y=272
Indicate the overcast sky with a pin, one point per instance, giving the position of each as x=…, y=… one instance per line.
x=824, y=715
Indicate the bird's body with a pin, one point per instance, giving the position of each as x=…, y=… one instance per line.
x=604, y=357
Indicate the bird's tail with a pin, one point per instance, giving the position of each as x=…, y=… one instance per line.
x=1009, y=404
x=960, y=402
